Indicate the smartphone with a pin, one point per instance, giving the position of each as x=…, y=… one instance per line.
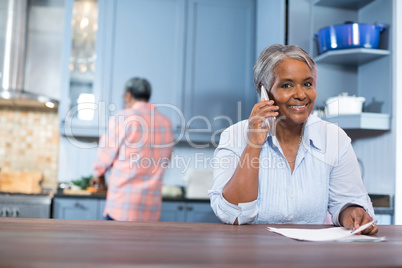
x=271, y=120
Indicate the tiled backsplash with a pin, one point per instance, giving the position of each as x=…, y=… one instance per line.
x=29, y=141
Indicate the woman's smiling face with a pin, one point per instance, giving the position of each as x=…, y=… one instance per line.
x=294, y=90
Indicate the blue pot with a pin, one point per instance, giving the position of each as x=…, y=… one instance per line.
x=349, y=35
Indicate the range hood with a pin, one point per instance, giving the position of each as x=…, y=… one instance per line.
x=13, y=49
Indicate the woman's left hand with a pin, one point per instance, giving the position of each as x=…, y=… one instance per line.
x=353, y=217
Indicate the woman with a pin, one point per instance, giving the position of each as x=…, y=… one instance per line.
x=297, y=174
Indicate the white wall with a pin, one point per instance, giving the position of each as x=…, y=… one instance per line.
x=76, y=158
x=184, y=159
x=398, y=108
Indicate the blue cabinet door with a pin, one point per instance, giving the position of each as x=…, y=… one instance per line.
x=148, y=41
x=173, y=212
x=88, y=120
x=187, y=212
x=101, y=208
x=75, y=209
x=200, y=212
x=197, y=54
x=219, y=62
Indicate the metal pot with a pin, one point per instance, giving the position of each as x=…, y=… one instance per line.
x=349, y=35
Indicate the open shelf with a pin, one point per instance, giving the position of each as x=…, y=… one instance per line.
x=346, y=4
x=353, y=56
x=372, y=121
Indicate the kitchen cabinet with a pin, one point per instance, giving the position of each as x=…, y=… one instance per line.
x=78, y=208
x=219, y=89
x=101, y=208
x=384, y=219
x=82, y=109
x=200, y=212
x=366, y=73
x=173, y=212
x=147, y=40
x=356, y=71
x=197, y=54
x=187, y=212
x=383, y=208
x=204, y=67
x=91, y=208
x=374, y=137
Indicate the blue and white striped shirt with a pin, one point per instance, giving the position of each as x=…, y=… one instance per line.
x=326, y=177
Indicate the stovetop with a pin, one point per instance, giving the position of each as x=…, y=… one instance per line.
x=20, y=198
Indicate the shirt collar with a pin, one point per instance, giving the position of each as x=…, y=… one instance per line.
x=314, y=134
x=139, y=105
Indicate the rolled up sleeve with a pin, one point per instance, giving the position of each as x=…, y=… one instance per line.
x=109, y=144
x=226, y=161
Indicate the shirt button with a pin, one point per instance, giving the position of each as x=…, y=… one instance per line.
x=291, y=217
x=291, y=196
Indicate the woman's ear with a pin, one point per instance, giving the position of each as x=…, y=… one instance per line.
x=271, y=97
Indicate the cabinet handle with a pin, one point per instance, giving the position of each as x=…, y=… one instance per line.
x=5, y=212
x=15, y=213
x=189, y=208
x=78, y=205
x=180, y=207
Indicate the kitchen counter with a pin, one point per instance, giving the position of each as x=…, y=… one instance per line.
x=380, y=206
x=103, y=196
x=92, y=196
x=80, y=243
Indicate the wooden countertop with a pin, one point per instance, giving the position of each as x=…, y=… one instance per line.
x=77, y=243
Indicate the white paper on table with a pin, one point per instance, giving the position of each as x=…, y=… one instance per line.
x=326, y=234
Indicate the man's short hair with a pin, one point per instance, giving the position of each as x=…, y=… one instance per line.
x=139, y=88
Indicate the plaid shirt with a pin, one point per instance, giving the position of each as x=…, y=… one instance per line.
x=136, y=148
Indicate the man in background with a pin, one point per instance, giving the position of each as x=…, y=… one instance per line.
x=135, y=149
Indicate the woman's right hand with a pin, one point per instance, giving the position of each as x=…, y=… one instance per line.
x=257, y=134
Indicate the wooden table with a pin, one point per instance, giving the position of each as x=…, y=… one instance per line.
x=76, y=243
